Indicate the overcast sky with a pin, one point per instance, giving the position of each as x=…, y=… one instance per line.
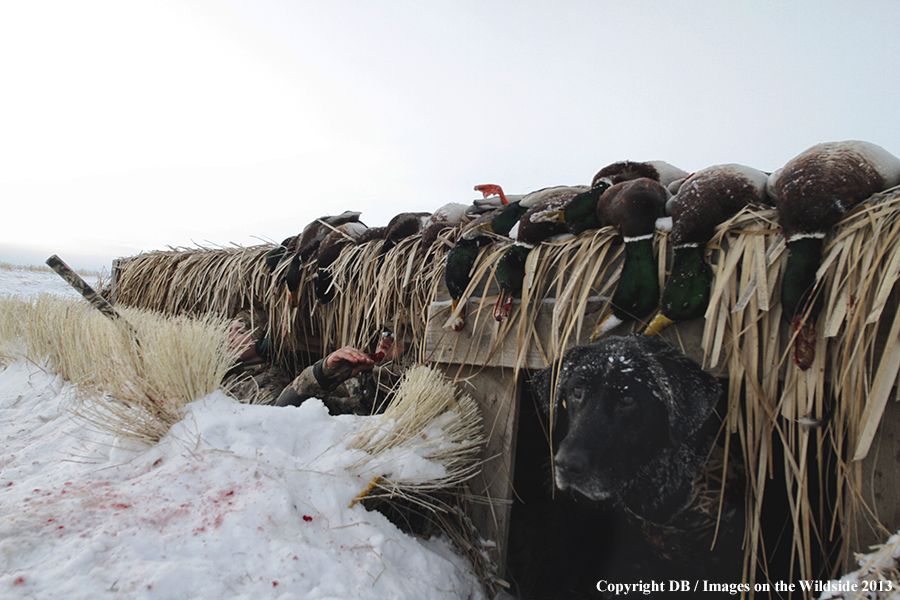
x=129, y=126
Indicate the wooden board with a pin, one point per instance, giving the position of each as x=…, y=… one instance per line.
x=881, y=489
x=482, y=341
x=497, y=392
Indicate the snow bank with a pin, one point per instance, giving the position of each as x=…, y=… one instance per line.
x=236, y=501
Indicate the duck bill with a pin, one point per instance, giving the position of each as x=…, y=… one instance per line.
x=458, y=321
x=659, y=322
x=804, y=343
x=503, y=307
x=607, y=324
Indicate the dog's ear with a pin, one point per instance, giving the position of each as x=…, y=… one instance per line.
x=689, y=393
x=542, y=383
x=695, y=394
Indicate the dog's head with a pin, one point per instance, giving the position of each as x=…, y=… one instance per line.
x=628, y=401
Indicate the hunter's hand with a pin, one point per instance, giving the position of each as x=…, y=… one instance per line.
x=350, y=360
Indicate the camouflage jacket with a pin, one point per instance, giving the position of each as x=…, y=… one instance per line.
x=259, y=383
x=367, y=393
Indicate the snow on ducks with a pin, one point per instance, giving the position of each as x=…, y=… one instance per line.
x=574, y=210
x=812, y=192
x=629, y=196
x=580, y=214
x=706, y=199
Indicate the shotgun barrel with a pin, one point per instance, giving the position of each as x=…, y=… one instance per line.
x=96, y=300
x=75, y=280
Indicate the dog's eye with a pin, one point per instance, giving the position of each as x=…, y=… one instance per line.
x=577, y=393
x=626, y=400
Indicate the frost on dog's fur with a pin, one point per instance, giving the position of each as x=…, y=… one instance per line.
x=635, y=409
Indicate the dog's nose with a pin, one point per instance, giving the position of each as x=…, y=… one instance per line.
x=570, y=462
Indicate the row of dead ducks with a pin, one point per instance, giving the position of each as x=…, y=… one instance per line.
x=812, y=192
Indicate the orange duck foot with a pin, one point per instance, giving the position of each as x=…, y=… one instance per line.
x=503, y=306
x=491, y=189
x=460, y=320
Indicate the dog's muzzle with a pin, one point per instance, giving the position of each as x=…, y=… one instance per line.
x=572, y=471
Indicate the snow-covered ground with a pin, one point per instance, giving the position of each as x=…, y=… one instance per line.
x=235, y=502
x=25, y=282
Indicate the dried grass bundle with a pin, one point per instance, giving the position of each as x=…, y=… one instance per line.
x=743, y=321
x=221, y=281
x=429, y=417
x=15, y=313
x=372, y=291
x=132, y=385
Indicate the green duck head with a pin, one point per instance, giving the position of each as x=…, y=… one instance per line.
x=637, y=292
x=273, y=258
x=292, y=279
x=324, y=290
x=510, y=275
x=800, y=304
x=799, y=280
x=464, y=253
x=460, y=260
x=579, y=214
x=501, y=222
x=687, y=290
x=506, y=219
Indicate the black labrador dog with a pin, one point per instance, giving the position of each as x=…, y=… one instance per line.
x=640, y=424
